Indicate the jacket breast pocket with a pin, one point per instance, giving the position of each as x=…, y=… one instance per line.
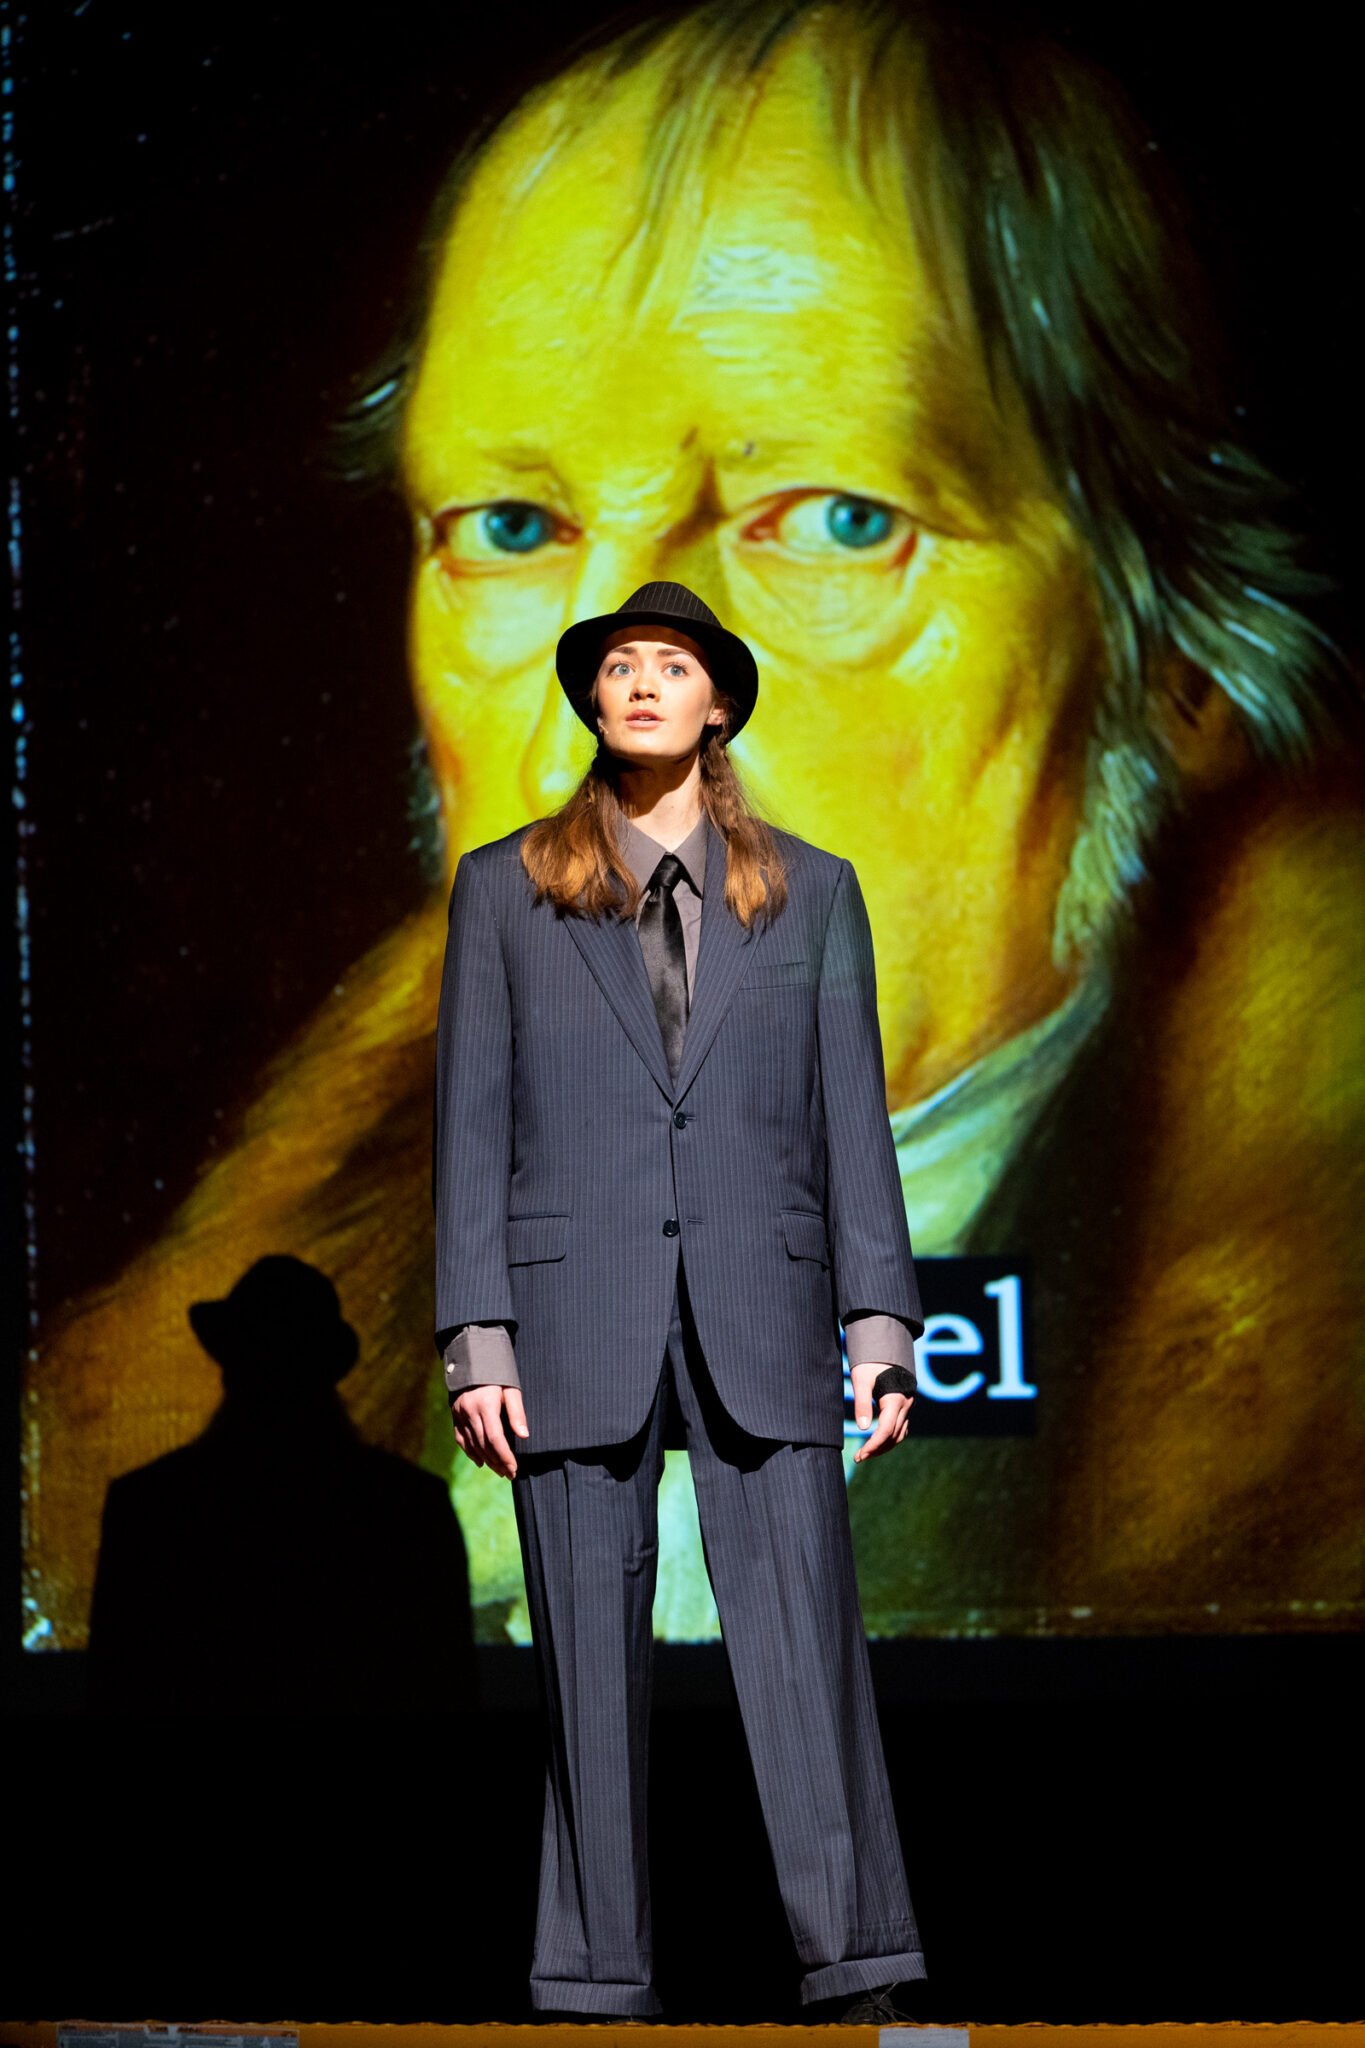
x=771, y=974
x=533, y=1238
x=805, y=1235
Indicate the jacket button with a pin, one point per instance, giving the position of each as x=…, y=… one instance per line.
x=680, y=1117
x=671, y=1227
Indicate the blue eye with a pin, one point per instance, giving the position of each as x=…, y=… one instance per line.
x=858, y=522
x=516, y=529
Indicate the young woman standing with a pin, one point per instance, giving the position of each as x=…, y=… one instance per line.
x=663, y=1175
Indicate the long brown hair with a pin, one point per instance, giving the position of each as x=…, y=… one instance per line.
x=573, y=855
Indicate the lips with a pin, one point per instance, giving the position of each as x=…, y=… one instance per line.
x=643, y=718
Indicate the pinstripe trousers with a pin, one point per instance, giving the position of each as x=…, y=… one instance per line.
x=775, y=1536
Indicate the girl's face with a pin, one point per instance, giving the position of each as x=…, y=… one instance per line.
x=654, y=698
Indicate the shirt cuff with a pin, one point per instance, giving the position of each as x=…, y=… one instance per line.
x=874, y=1339
x=480, y=1355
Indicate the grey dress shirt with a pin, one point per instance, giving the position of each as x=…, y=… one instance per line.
x=481, y=1354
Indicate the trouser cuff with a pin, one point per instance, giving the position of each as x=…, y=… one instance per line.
x=862, y=1973
x=571, y=1994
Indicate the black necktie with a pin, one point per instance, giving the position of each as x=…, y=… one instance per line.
x=661, y=941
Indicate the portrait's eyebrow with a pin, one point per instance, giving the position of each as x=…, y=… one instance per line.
x=956, y=470
x=807, y=462
x=737, y=452
x=475, y=475
x=521, y=459
x=521, y=462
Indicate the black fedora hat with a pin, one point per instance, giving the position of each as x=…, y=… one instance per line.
x=280, y=1307
x=673, y=606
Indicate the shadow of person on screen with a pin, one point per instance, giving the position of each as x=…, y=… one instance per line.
x=278, y=1564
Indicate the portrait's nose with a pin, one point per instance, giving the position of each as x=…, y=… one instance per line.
x=611, y=570
x=615, y=563
x=559, y=746
x=558, y=749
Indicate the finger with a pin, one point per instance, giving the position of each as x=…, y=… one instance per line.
x=499, y=1450
x=516, y=1413
x=484, y=1420
x=893, y=1421
x=876, y=1441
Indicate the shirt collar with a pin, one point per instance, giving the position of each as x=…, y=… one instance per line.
x=642, y=852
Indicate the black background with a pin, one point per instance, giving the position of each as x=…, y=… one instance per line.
x=215, y=208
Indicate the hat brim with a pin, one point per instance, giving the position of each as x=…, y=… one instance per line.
x=211, y=1322
x=227, y=1337
x=731, y=666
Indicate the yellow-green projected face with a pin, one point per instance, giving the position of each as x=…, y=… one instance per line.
x=783, y=415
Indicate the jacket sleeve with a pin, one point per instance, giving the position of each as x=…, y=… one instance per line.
x=472, y=1131
x=478, y=1355
x=873, y=1268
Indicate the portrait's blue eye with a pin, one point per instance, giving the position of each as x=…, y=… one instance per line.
x=859, y=522
x=516, y=528
x=829, y=528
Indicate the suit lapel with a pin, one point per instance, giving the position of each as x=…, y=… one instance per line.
x=611, y=948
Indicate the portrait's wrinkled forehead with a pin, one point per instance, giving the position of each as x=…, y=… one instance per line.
x=667, y=165
x=748, y=240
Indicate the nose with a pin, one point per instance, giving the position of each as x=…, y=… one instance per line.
x=556, y=752
x=612, y=567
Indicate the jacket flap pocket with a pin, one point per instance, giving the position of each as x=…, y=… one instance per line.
x=805, y=1235
x=777, y=974
x=530, y=1238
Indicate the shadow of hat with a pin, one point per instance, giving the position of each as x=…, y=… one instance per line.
x=281, y=1308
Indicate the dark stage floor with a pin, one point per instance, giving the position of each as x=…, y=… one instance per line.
x=1094, y=1833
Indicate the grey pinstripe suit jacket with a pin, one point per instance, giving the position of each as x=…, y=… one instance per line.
x=569, y=1168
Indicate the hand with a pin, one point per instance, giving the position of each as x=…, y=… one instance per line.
x=893, y=1413
x=477, y=1418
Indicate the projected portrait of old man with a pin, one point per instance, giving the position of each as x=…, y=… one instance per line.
x=879, y=337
